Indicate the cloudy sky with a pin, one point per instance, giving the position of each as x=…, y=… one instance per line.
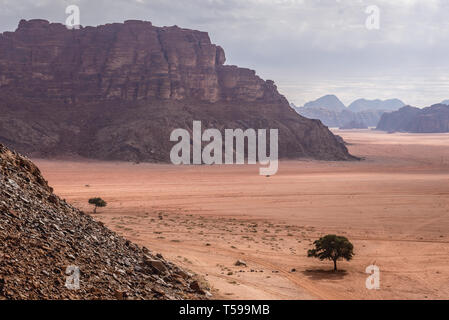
x=308, y=47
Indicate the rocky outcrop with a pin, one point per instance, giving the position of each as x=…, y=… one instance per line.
x=116, y=92
x=130, y=61
x=434, y=119
x=42, y=238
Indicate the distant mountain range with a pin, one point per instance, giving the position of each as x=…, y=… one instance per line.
x=333, y=113
x=382, y=105
x=445, y=102
x=434, y=119
x=329, y=102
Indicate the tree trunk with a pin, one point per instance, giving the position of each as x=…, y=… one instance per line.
x=335, y=265
x=95, y=209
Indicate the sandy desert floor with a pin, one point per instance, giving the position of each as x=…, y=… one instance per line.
x=393, y=206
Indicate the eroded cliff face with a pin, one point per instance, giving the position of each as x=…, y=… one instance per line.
x=116, y=91
x=130, y=61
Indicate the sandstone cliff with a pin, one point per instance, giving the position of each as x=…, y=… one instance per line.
x=434, y=119
x=116, y=91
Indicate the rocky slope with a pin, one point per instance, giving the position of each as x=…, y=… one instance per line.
x=41, y=235
x=434, y=119
x=117, y=91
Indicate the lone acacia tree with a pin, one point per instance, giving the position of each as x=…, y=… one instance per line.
x=97, y=202
x=332, y=247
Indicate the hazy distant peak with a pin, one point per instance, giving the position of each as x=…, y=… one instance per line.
x=434, y=119
x=377, y=104
x=445, y=102
x=408, y=108
x=330, y=102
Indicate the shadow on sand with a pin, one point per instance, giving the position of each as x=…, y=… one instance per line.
x=320, y=274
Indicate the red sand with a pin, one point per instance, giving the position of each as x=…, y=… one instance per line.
x=394, y=207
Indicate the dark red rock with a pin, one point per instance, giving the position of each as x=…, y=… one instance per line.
x=116, y=91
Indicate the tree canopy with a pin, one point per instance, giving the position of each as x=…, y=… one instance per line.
x=332, y=247
x=97, y=202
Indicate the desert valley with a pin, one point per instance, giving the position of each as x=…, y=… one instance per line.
x=113, y=136
x=393, y=206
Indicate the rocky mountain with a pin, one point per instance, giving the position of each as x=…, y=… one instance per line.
x=381, y=105
x=445, y=102
x=328, y=102
x=41, y=236
x=434, y=119
x=117, y=91
x=362, y=111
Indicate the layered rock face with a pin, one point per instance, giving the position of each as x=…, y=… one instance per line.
x=41, y=236
x=434, y=119
x=116, y=92
x=130, y=61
